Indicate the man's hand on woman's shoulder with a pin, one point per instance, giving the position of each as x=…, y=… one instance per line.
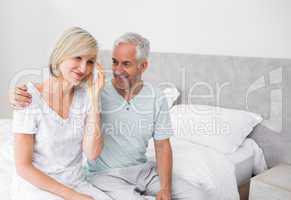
x=19, y=97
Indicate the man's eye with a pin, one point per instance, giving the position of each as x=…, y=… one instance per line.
x=126, y=64
x=114, y=62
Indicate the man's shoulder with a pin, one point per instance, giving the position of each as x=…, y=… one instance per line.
x=153, y=89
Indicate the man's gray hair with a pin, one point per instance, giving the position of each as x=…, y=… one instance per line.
x=142, y=44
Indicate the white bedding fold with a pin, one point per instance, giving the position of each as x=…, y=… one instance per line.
x=259, y=158
x=203, y=167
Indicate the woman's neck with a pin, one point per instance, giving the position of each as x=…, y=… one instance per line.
x=58, y=94
x=55, y=90
x=57, y=86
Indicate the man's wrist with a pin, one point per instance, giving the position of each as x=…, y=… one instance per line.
x=165, y=189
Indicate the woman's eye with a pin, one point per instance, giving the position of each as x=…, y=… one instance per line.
x=78, y=58
x=91, y=62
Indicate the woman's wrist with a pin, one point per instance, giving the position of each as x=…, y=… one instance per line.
x=93, y=116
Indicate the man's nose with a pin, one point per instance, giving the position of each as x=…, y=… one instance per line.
x=119, y=69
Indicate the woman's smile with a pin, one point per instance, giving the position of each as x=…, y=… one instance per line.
x=78, y=75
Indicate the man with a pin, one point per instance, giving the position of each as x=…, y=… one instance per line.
x=133, y=112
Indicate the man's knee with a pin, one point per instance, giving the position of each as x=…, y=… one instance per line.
x=184, y=190
x=193, y=194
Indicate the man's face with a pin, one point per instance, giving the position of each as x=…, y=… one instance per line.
x=126, y=69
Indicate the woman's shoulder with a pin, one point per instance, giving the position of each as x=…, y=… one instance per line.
x=32, y=89
x=28, y=115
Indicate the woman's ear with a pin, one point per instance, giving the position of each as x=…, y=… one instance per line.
x=55, y=70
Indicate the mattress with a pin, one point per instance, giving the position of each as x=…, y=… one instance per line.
x=243, y=160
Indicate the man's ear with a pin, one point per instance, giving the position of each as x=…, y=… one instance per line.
x=144, y=65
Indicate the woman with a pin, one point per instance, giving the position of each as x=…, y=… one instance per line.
x=59, y=125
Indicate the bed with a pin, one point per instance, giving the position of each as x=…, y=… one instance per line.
x=209, y=175
x=214, y=172
x=259, y=85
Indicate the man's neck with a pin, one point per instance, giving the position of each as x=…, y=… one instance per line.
x=130, y=92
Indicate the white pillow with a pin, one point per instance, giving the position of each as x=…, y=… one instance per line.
x=219, y=128
x=172, y=94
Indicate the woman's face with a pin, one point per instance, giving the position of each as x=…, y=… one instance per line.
x=74, y=70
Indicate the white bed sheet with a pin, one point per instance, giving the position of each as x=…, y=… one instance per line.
x=6, y=162
x=243, y=160
x=203, y=167
x=248, y=160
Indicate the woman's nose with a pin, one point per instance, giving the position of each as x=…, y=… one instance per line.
x=83, y=66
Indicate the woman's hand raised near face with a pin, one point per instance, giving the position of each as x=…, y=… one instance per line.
x=96, y=86
x=100, y=82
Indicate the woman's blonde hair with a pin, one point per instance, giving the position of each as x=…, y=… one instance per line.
x=74, y=41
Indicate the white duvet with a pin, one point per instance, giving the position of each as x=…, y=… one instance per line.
x=206, y=168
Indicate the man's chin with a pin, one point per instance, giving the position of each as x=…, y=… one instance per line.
x=120, y=84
